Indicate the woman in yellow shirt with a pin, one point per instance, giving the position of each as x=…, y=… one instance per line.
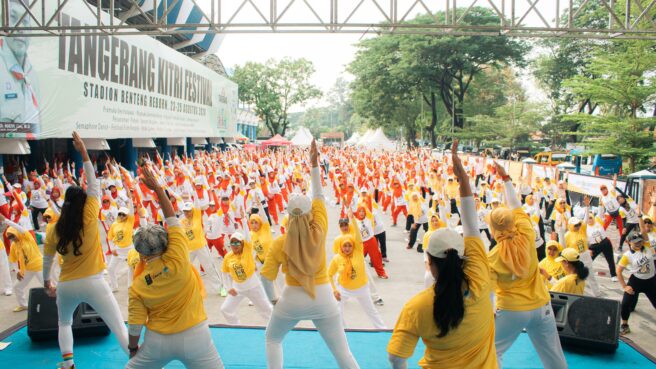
x=25, y=252
x=120, y=234
x=523, y=300
x=453, y=317
x=434, y=223
x=352, y=281
x=167, y=297
x=76, y=238
x=192, y=223
x=244, y=282
x=302, y=255
x=574, y=281
x=551, y=269
x=261, y=239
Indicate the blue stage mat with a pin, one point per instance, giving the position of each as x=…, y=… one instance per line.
x=244, y=348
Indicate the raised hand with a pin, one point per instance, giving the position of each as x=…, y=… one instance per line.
x=148, y=178
x=79, y=146
x=314, y=154
x=501, y=171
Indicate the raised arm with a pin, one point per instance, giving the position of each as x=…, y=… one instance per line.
x=511, y=196
x=469, y=217
x=93, y=187
x=315, y=172
x=148, y=179
x=9, y=223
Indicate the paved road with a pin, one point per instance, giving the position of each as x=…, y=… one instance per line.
x=406, y=273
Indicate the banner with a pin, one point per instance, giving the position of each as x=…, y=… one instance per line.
x=590, y=185
x=107, y=86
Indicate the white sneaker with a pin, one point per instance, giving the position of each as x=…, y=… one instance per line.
x=8, y=293
x=613, y=279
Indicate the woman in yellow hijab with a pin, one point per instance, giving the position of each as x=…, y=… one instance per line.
x=261, y=239
x=523, y=301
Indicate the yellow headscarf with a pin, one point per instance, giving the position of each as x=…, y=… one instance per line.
x=347, y=271
x=513, y=247
x=414, y=207
x=263, y=235
x=304, y=247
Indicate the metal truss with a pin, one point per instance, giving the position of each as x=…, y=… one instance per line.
x=515, y=18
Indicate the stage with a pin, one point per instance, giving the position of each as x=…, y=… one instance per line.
x=244, y=348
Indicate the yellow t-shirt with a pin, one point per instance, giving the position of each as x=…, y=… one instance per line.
x=242, y=266
x=577, y=240
x=133, y=259
x=452, y=189
x=194, y=230
x=91, y=260
x=261, y=242
x=166, y=296
x=514, y=293
x=357, y=278
x=569, y=284
x=471, y=344
x=554, y=268
x=25, y=252
x=277, y=257
x=121, y=232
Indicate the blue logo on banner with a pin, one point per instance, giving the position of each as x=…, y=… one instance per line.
x=11, y=96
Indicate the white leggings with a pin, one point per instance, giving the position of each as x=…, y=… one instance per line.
x=541, y=328
x=20, y=286
x=95, y=291
x=193, y=347
x=116, y=264
x=372, y=285
x=256, y=295
x=203, y=255
x=295, y=305
x=363, y=297
x=5, y=274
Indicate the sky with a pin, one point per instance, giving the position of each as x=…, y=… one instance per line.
x=330, y=53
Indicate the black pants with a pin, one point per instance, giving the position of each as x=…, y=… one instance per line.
x=479, y=177
x=628, y=227
x=606, y=248
x=266, y=210
x=550, y=206
x=454, y=207
x=409, y=220
x=413, y=234
x=35, y=216
x=646, y=286
x=382, y=242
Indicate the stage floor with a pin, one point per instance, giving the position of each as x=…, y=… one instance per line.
x=244, y=348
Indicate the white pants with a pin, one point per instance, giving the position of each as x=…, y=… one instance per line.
x=116, y=264
x=362, y=295
x=541, y=328
x=5, y=275
x=20, y=286
x=95, y=291
x=193, y=347
x=372, y=285
x=203, y=255
x=295, y=305
x=591, y=284
x=256, y=295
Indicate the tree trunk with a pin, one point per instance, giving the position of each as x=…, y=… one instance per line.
x=433, y=136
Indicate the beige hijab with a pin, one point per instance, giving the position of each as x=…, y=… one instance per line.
x=513, y=247
x=304, y=247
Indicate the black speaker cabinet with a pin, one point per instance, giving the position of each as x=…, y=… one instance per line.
x=588, y=322
x=42, y=318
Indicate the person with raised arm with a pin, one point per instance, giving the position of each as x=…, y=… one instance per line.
x=167, y=296
x=454, y=316
x=76, y=238
x=302, y=254
x=523, y=301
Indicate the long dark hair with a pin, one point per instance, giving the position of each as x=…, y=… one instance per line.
x=70, y=223
x=581, y=270
x=449, y=302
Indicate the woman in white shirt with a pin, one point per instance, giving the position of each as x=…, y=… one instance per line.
x=630, y=218
x=598, y=243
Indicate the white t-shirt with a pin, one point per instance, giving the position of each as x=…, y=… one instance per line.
x=640, y=264
x=596, y=233
x=610, y=202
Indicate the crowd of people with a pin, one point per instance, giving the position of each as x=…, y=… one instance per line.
x=253, y=225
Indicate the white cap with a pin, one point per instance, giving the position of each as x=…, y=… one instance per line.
x=574, y=221
x=436, y=197
x=198, y=180
x=237, y=236
x=363, y=189
x=17, y=185
x=494, y=199
x=445, y=239
x=211, y=203
x=123, y=210
x=187, y=206
x=299, y=204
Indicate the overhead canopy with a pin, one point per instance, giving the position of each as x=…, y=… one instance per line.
x=276, y=140
x=143, y=142
x=14, y=146
x=198, y=141
x=216, y=140
x=354, y=139
x=303, y=137
x=176, y=141
x=378, y=140
x=99, y=144
x=645, y=174
x=364, y=138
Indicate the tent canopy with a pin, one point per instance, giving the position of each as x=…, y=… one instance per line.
x=302, y=138
x=354, y=139
x=364, y=138
x=276, y=140
x=377, y=140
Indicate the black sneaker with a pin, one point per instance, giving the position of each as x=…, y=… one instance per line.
x=420, y=249
x=379, y=302
x=624, y=329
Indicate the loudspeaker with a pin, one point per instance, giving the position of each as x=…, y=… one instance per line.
x=42, y=318
x=588, y=322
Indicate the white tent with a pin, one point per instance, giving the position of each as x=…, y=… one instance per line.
x=303, y=137
x=364, y=138
x=378, y=140
x=354, y=139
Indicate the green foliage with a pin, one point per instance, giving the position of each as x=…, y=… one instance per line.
x=274, y=87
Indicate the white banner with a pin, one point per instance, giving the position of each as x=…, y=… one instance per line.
x=590, y=185
x=105, y=86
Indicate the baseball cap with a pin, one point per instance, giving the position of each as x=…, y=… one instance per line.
x=237, y=236
x=635, y=238
x=568, y=254
x=553, y=243
x=343, y=221
x=443, y=240
x=123, y=210
x=187, y=206
x=574, y=221
x=299, y=204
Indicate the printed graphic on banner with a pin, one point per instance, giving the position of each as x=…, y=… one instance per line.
x=106, y=86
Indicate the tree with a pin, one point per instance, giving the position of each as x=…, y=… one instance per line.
x=274, y=87
x=625, y=89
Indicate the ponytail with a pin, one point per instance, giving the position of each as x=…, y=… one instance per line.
x=581, y=270
x=449, y=303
